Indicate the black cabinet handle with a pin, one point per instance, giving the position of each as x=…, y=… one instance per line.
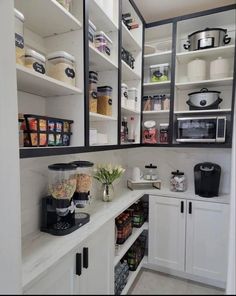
x=182, y=207
x=190, y=207
x=85, y=257
x=78, y=264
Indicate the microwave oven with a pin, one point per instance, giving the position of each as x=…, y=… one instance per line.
x=201, y=129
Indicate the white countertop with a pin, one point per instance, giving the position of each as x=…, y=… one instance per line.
x=42, y=250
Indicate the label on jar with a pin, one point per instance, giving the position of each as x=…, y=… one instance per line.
x=70, y=72
x=19, y=41
x=94, y=95
x=110, y=101
x=107, y=50
x=39, y=68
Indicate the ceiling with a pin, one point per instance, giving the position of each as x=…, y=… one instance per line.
x=156, y=10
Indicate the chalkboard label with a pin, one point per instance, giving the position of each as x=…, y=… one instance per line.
x=110, y=101
x=70, y=73
x=107, y=50
x=39, y=68
x=19, y=41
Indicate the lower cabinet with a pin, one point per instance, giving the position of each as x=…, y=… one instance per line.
x=189, y=236
x=87, y=270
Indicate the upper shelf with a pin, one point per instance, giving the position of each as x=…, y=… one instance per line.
x=156, y=85
x=157, y=58
x=128, y=111
x=128, y=73
x=35, y=83
x=128, y=40
x=47, y=17
x=100, y=19
x=204, y=83
x=101, y=117
x=223, y=51
x=99, y=61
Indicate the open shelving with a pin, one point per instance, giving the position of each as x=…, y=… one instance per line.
x=156, y=85
x=129, y=73
x=205, y=83
x=129, y=41
x=100, y=117
x=161, y=57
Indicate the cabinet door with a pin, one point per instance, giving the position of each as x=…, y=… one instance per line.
x=207, y=239
x=98, y=277
x=57, y=280
x=167, y=232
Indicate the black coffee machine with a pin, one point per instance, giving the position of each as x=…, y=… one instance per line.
x=58, y=210
x=207, y=179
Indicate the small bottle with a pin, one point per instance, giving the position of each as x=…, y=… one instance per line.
x=131, y=135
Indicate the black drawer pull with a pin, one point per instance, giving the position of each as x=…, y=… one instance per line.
x=190, y=208
x=78, y=264
x=182, y=207
x=85, y=257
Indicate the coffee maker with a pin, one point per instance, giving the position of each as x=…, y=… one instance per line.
x=207, y=179
x=58, y=209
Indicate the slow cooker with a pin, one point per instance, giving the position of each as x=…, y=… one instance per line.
x=204, y=99
x=207, y=38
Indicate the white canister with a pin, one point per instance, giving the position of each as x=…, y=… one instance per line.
x=136, y=174
x=219, y=68
x=132, y=98
x=124, y=94
x=197, y=70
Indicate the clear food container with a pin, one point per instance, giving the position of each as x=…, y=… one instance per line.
x=165, y=102
x=164, y=133
x=159, y=73
x=19, y=37
x=93, y=102
x=61, y=66
x=147, y=103
x=35, y=61
x=105, y=100
x=178, y=182
x=66, y=4
x=150, y=172
x=103, y=43
x=132, y=98
x=92, y=31
x=62, y=180
x=84, y=178
x=124, y=94
x=157, y=106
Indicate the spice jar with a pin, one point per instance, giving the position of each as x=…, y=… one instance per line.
x=157, y=103
x=61, y=66
x=19, y=37
x=93, y=102
x=124, y=94
x=105, y=100
x=35, y=61
x=82, y=195
x=164, y=130
x=150, y=172
x=150, y=132
x=165, y=102
x=178, y=182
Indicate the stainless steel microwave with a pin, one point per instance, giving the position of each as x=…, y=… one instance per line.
x=201, y=129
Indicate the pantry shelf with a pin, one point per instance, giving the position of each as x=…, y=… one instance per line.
x=100, y=117
x=128, y=40
x=100, y=18
x=129, y=111
x=47, y=17
x=156, y=112
x=128, y=73
x=222, y=51
x=156, y=85
x=158, y=58
x=132, y=276
x=98, y=61
x=125, y=247
x=35, y=83
x=204, y=83
x=203, y=111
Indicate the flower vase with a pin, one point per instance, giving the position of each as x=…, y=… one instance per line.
x=107, y=192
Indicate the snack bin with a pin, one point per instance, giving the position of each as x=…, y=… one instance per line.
x=35, y=61
x=159, y=73
x=19, y=37
x=60, y=65
x=93, y=80
x=105, y=100
x=103, y=43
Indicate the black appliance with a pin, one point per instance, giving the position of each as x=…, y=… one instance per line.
x=59, y=217
x=207, y=179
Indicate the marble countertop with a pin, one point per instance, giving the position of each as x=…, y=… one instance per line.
x=41, y=250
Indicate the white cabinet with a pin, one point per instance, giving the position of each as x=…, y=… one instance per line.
x=96, y=268
x=189, y=236
x=166, y=232
x=207, y=240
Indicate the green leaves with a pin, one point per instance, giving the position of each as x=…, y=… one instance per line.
x=108, y=173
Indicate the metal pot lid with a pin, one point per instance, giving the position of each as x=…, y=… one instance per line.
x=204, y=90
x=177, y=173
x=83, y=164
x=208, y=29
x=150, y=166
x=62, y=167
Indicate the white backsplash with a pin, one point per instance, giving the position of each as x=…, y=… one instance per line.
x=34, y=172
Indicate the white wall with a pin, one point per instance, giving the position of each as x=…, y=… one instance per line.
x=10, y=232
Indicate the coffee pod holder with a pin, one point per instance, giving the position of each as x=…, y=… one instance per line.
x=132, y=185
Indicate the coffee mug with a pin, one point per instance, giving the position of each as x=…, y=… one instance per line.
x=136, y=174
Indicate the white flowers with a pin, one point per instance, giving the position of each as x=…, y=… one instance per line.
x=108, y=173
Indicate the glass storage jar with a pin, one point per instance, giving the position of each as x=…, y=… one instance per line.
x=103, y=43
x=164, y=131
x=147, y=103
x=150, y=172
x=61, y=66
x=157, y=103
x=93, y=102
x=35, y=61
x=150, y=132
x=105, y=100
x=62, y=180
x=178, y=182
x=159, y=73
x=165, y=102
x=19, y=37
x=124, y=94
x=132, y=98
